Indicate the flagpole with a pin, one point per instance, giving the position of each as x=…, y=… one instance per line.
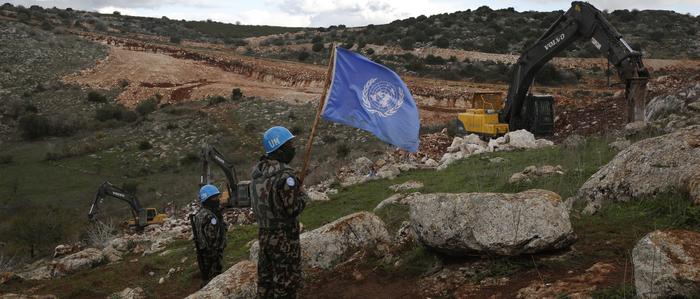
x=307, y=152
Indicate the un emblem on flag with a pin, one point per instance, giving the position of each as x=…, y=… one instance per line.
x=381, y=97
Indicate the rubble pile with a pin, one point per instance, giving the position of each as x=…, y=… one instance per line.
x=363, y=169
x=238, y=216
x=463, y=147
x=677, y=108
x=152, y=240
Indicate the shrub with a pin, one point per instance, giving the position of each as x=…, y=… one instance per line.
x=657, y=36
x=145, y=145
x=432, y=59
x=46, y=26
x=342, y=150
x=35, y=126
x=99, y=26
x=296, y=130
x=329, y=139
x=316, y=40
x=369, y=51
x=147, y=106
x=303, y=55
x=317, y=47
x=236, y=94
x=215, y=100
x=190, y=158
x=407, y=43
x=442, y=42
x=130, y=187
x=94, y=96
x=116, y=112
x=175, y=39
x=250, y=127
x=6, y=159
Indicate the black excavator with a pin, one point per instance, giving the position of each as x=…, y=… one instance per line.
x=142, y=217
x=236, y=193
x=535, y=113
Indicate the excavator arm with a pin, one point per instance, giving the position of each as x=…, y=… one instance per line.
x=108, y=189
x=581, y=21
x=237, y=191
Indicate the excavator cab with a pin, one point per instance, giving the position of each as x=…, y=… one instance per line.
x=539, y=110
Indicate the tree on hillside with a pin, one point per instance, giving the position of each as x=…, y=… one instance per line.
x=317, y=47
x=36, y=231
x=407, y=43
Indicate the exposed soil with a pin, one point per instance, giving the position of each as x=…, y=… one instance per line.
x=177, y=79
x=180, y=74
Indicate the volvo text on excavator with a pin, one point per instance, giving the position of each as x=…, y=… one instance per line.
x=237, y=193
x=535, y=113
x=141, y=216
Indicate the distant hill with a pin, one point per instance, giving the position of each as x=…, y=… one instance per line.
x=206, y=31
x=660, y=34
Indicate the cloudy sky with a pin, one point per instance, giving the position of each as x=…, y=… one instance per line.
x=315, y=13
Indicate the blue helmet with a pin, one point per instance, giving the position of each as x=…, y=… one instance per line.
x=207, y=191
x=275, y=137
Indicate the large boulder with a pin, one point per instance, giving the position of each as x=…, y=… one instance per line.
x=493, y=223
x=239, y=281
x=662, y=106
x=667, y=264
x=86, y=259
x=326, y=246
x=645, y=168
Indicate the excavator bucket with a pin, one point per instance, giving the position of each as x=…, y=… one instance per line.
x=636, y=99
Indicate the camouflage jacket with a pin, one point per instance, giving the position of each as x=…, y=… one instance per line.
x=276, y=197
x=209, y=231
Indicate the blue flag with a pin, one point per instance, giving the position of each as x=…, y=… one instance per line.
x=369, y=96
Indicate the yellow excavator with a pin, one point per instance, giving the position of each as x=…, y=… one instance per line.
x=237, y=193
x=142, y=217
x=535, y=113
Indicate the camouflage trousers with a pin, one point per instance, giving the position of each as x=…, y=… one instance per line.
x=210, y=265
x=279, y=263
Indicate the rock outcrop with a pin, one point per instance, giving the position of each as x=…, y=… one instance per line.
x=22, y=296
x=645, y=168
x=667, y=264
x=495, y=223
x=534, y=172
x=579, y=286
x=238, y=282
x=469, y=145
x=82, y=260
x=129, y=293
x=326, y=246
x=406, y=186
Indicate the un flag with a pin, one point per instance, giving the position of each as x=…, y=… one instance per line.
x=369, y=96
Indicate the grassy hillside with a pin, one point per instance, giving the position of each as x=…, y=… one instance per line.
x=607, y=236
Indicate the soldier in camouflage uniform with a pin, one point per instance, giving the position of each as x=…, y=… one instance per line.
x=209, y=232
x=277, y=201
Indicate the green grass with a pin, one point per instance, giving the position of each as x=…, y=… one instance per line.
x=474, y=174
